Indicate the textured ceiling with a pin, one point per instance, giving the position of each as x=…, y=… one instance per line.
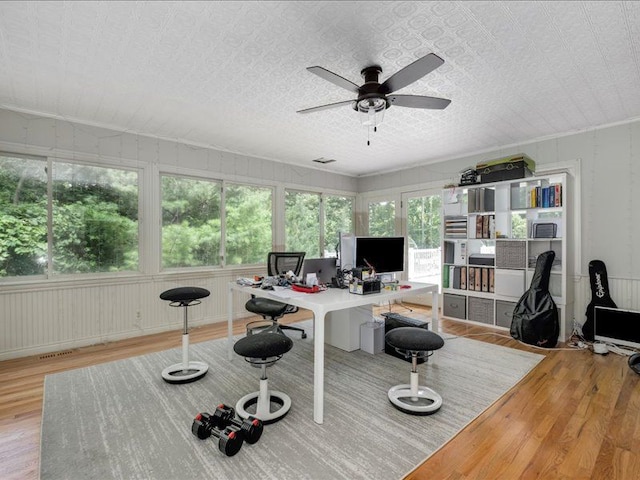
x=231, y=75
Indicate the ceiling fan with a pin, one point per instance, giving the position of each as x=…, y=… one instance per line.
x=375, y=97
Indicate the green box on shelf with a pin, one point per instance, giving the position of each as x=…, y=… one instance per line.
x=507, y=168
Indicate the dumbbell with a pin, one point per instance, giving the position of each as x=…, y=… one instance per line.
x=250, y=428
x=229, y=441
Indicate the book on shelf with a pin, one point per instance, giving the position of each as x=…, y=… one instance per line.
x=492, y=276
x=449, y=252
x=456, y=277
x=478, y=279
x=545, y=197
x=485, y=280
x=485, y=226
x=479, y=223
x=463, y=278
x=481, y=199
x=472, y=278
x=460, y=253
x=445, y=276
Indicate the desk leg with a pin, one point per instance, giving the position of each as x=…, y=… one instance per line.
x=435, y=318
x=318, y=367
x=230, y=324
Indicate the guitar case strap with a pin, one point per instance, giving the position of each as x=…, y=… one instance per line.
x=600, y=296
x=535, y=316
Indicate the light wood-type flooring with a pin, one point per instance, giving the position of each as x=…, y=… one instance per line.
x=575, y=416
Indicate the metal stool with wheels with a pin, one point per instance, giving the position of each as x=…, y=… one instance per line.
x=187, y=371
x=262, y=350
x=416, y=343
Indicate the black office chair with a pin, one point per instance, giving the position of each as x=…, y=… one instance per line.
x=278, y=263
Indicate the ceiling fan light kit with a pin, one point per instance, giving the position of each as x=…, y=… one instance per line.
x=372, y=100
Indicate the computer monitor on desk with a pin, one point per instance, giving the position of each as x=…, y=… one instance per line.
x=324, y=269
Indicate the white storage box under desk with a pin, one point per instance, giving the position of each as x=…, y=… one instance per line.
x=509, y=283
x=342, y=327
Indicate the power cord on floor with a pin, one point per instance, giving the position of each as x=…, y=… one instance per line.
x=573, y=349
x=576, y=342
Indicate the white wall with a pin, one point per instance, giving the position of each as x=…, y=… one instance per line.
x=38, y=317
x=45, y=316
x=608, y=194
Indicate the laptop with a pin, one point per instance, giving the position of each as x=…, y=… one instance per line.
x=324, y=268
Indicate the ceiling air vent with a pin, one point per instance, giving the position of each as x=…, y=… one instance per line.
x=323, y=160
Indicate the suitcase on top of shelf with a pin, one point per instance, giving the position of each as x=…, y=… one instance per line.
x=507, y=168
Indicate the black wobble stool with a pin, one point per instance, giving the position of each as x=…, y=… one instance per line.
x=187, y=371
x=415, y=343
x=262, y=350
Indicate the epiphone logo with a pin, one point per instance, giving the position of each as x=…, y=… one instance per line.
x=599, y=287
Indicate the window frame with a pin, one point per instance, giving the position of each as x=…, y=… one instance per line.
x=137, y=167
x=322, y=194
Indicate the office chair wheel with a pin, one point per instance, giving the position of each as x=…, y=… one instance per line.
x=304, y=335
x=416, y=343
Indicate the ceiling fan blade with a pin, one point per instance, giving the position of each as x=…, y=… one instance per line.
x=326, y=107
x=418, y=101
x=411, y=73
x=334, y=78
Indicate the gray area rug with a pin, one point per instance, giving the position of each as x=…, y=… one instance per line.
x=121, y=420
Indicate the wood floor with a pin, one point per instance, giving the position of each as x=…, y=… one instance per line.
x=575, y=416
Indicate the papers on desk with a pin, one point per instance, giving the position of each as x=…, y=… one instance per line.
x=248, y=281
x=284, y=292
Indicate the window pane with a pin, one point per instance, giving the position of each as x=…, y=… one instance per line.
x=302, y=223
x=190, y=222
x=423, y=225
x=95, y=219
x=382, y=216
x=248, y=212
x=338, y=213
x=23, y=218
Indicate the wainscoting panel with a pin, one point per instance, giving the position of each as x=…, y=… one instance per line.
x=41, y=318
x=624, y=291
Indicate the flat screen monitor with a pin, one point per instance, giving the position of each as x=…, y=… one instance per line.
x=324, y=269
x=384, y=254
x=347, y=251
x=617, y=326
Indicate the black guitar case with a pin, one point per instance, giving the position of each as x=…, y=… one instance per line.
x=600, y=296
x=535, y=316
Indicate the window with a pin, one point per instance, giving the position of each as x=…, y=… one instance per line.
x=338, y=215
x=190, y=222
x=302, y=223
x=313, y=222
x=423, y=232
x=248, y=221
x=23, y=222
x=382, y=219
x=93, y=222
x=95, y=219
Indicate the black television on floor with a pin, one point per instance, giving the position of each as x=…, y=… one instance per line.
x=617, y=326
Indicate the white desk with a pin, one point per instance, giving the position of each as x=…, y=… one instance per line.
x=320, y=304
